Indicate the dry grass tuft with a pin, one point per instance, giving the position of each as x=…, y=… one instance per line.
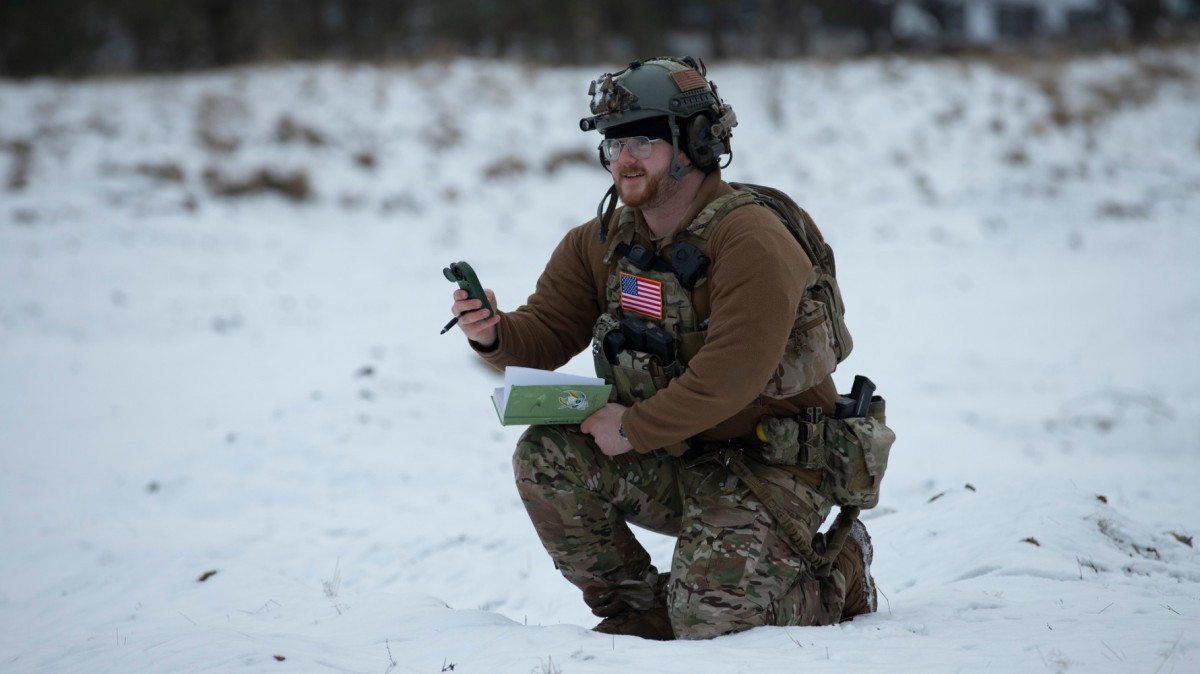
x=169, y=172
x=1101, y=99
x=22, y=164
x=505, y=167
x=1016, y=156
x=217, y=121
x=365, y=160
x=566, y=158
x=1123, y=211
x=293, y=185
x=288, y=130
x=445, y=134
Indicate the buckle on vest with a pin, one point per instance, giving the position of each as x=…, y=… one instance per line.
x=688, y=263
x=641, y=257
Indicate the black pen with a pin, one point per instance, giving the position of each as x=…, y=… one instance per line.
x=451, y=324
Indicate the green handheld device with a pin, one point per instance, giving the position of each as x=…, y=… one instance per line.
x=462, y=274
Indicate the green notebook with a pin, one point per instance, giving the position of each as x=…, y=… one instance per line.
x=538, y=397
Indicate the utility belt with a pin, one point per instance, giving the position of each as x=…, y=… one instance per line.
x=850, y=449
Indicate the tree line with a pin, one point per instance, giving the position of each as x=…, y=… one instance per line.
x=82, y=37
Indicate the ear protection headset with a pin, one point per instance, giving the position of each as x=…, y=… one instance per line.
x=704, y=146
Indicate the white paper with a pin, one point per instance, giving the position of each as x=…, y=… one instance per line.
x=529, y=376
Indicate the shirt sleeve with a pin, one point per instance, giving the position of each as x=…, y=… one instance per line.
x=555, y=323
x=756, y=280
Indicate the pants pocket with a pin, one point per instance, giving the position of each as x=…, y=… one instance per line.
x=733, y=568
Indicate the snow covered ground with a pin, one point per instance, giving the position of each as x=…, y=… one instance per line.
x=231, y=438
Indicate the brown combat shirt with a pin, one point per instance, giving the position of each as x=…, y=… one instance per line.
x=755, y=283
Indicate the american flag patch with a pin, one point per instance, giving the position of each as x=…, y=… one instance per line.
x=688, y=80
x=641, y=295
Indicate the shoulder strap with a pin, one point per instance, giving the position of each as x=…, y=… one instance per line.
x=619, y=245
x=798, y=221
x=717, y=209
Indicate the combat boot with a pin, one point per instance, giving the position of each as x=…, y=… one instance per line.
x=651, y=623
x=857, y=554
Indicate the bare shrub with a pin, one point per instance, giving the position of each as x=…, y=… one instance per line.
x=1131, y=89
x=217, y=122
x=1105, y=97
x=505, y=167
x=444, y=135
x=101, y=125
x=955, y=113
x=1016, y=156
x=288, y=130
x=166, y=171
x=1120, y=211
x=1162, y=71
x=22, y=163
x=401, y=202
x=291, y=184
x=365, y=160
x=566, y=158
x=1051, y=88
x=924, y=186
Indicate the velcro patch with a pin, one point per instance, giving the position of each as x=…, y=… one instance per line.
x=688, y=80
x=642, y=295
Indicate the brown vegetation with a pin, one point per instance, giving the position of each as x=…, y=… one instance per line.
x=291, y=184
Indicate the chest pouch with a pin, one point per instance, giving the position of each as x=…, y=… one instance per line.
x=635, y=355
x=808, y=356
x=688, y=263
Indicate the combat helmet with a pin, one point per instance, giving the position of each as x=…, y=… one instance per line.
x=674, y=88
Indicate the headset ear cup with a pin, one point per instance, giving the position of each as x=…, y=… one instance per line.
x=700, y=142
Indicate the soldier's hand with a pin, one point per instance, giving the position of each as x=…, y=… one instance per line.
x=605, y=428
x=473, y=320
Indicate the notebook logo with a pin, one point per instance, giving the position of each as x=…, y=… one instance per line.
x=573, y=400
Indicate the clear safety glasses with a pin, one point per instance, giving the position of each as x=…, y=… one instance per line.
x=639, y=147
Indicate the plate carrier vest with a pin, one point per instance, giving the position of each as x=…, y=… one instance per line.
x=651, y=331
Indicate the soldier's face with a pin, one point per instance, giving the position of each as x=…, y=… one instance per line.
x=643, y=182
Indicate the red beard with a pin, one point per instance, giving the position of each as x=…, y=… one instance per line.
x=644, y=190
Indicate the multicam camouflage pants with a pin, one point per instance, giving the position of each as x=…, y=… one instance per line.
x=731, y=569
